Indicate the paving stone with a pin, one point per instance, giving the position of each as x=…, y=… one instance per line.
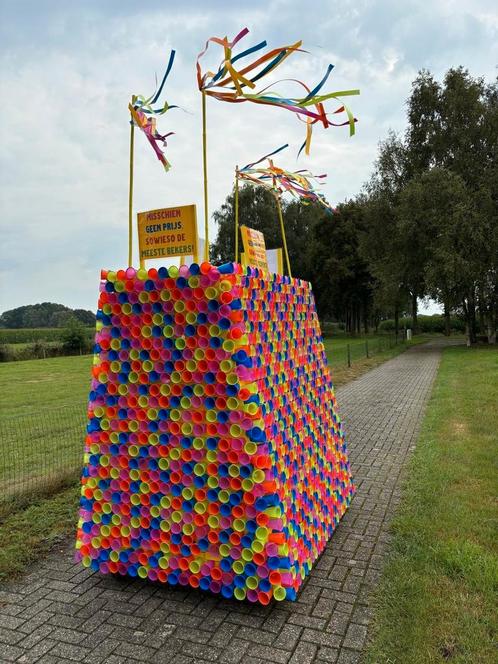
x=62, y=613
x=355, y=636
x=304, y=653
x=269, y=653
x=288, y=637
x=326, y=654
x=235, y=652
x=69, y=651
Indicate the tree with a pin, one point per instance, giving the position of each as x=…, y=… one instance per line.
x=436, y=201
x=45, y=314
x=323, y=249
x=74, y=335
x=453, y=133
x=341, y=280
x=380, y=248
x=382, y=244
x=257, y=210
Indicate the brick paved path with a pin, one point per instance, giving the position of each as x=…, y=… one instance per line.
x=61, y=612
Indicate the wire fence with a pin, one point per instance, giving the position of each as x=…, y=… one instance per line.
x=40, y=451
x=349, y=353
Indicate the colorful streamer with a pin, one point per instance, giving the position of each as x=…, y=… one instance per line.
x=141, y=107
x=148, y=126
x=228, y=83
x=298, y=184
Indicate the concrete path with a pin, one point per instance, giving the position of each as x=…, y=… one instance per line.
x=60, y=612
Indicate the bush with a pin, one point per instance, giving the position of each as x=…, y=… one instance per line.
x=39, y=350
x=36, y=350
x=74, y=336
x=427, y=324
x=30, y=335
x=329, y=328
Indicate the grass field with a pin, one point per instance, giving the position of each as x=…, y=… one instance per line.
x=42, y=427
x=35, y=385
x=437, y=601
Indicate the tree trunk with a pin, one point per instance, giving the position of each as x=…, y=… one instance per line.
x=472, y=319
x=414, y=313
x=396, y=320
x=482, y=318
x=491, y=330
x=447, y=319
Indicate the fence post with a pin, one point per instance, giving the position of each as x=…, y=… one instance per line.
x=349, y=356
x=366, y=348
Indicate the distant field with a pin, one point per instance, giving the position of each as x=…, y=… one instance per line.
x=29, y=335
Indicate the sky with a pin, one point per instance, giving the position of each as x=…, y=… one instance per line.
x=67, y=72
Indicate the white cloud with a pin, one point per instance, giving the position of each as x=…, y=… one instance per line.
x=68, y=70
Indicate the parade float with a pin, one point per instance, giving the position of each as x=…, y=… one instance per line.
x=214, y=456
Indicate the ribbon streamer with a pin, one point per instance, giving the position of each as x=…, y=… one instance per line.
x=232, y=85
x=141, y=107
x=298, y=183
x=148, y=126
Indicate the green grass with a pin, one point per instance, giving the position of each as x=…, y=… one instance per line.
x=25, y=534
x=381, y=348
x=35, y=385
x=42, y=424
x=437, y=600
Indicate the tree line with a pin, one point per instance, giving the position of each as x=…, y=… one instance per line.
x=45, y=314
x=424, y=225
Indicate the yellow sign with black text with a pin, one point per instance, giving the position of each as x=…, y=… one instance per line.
x=254, y=247
x=167, y=232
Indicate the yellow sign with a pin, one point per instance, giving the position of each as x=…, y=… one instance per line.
x=275, y=259
x=254, y=247
x=168, y=232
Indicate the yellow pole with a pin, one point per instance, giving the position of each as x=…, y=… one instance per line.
x=204, y=164
x=236, y=214
x=282, y=228
x=130, y=196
